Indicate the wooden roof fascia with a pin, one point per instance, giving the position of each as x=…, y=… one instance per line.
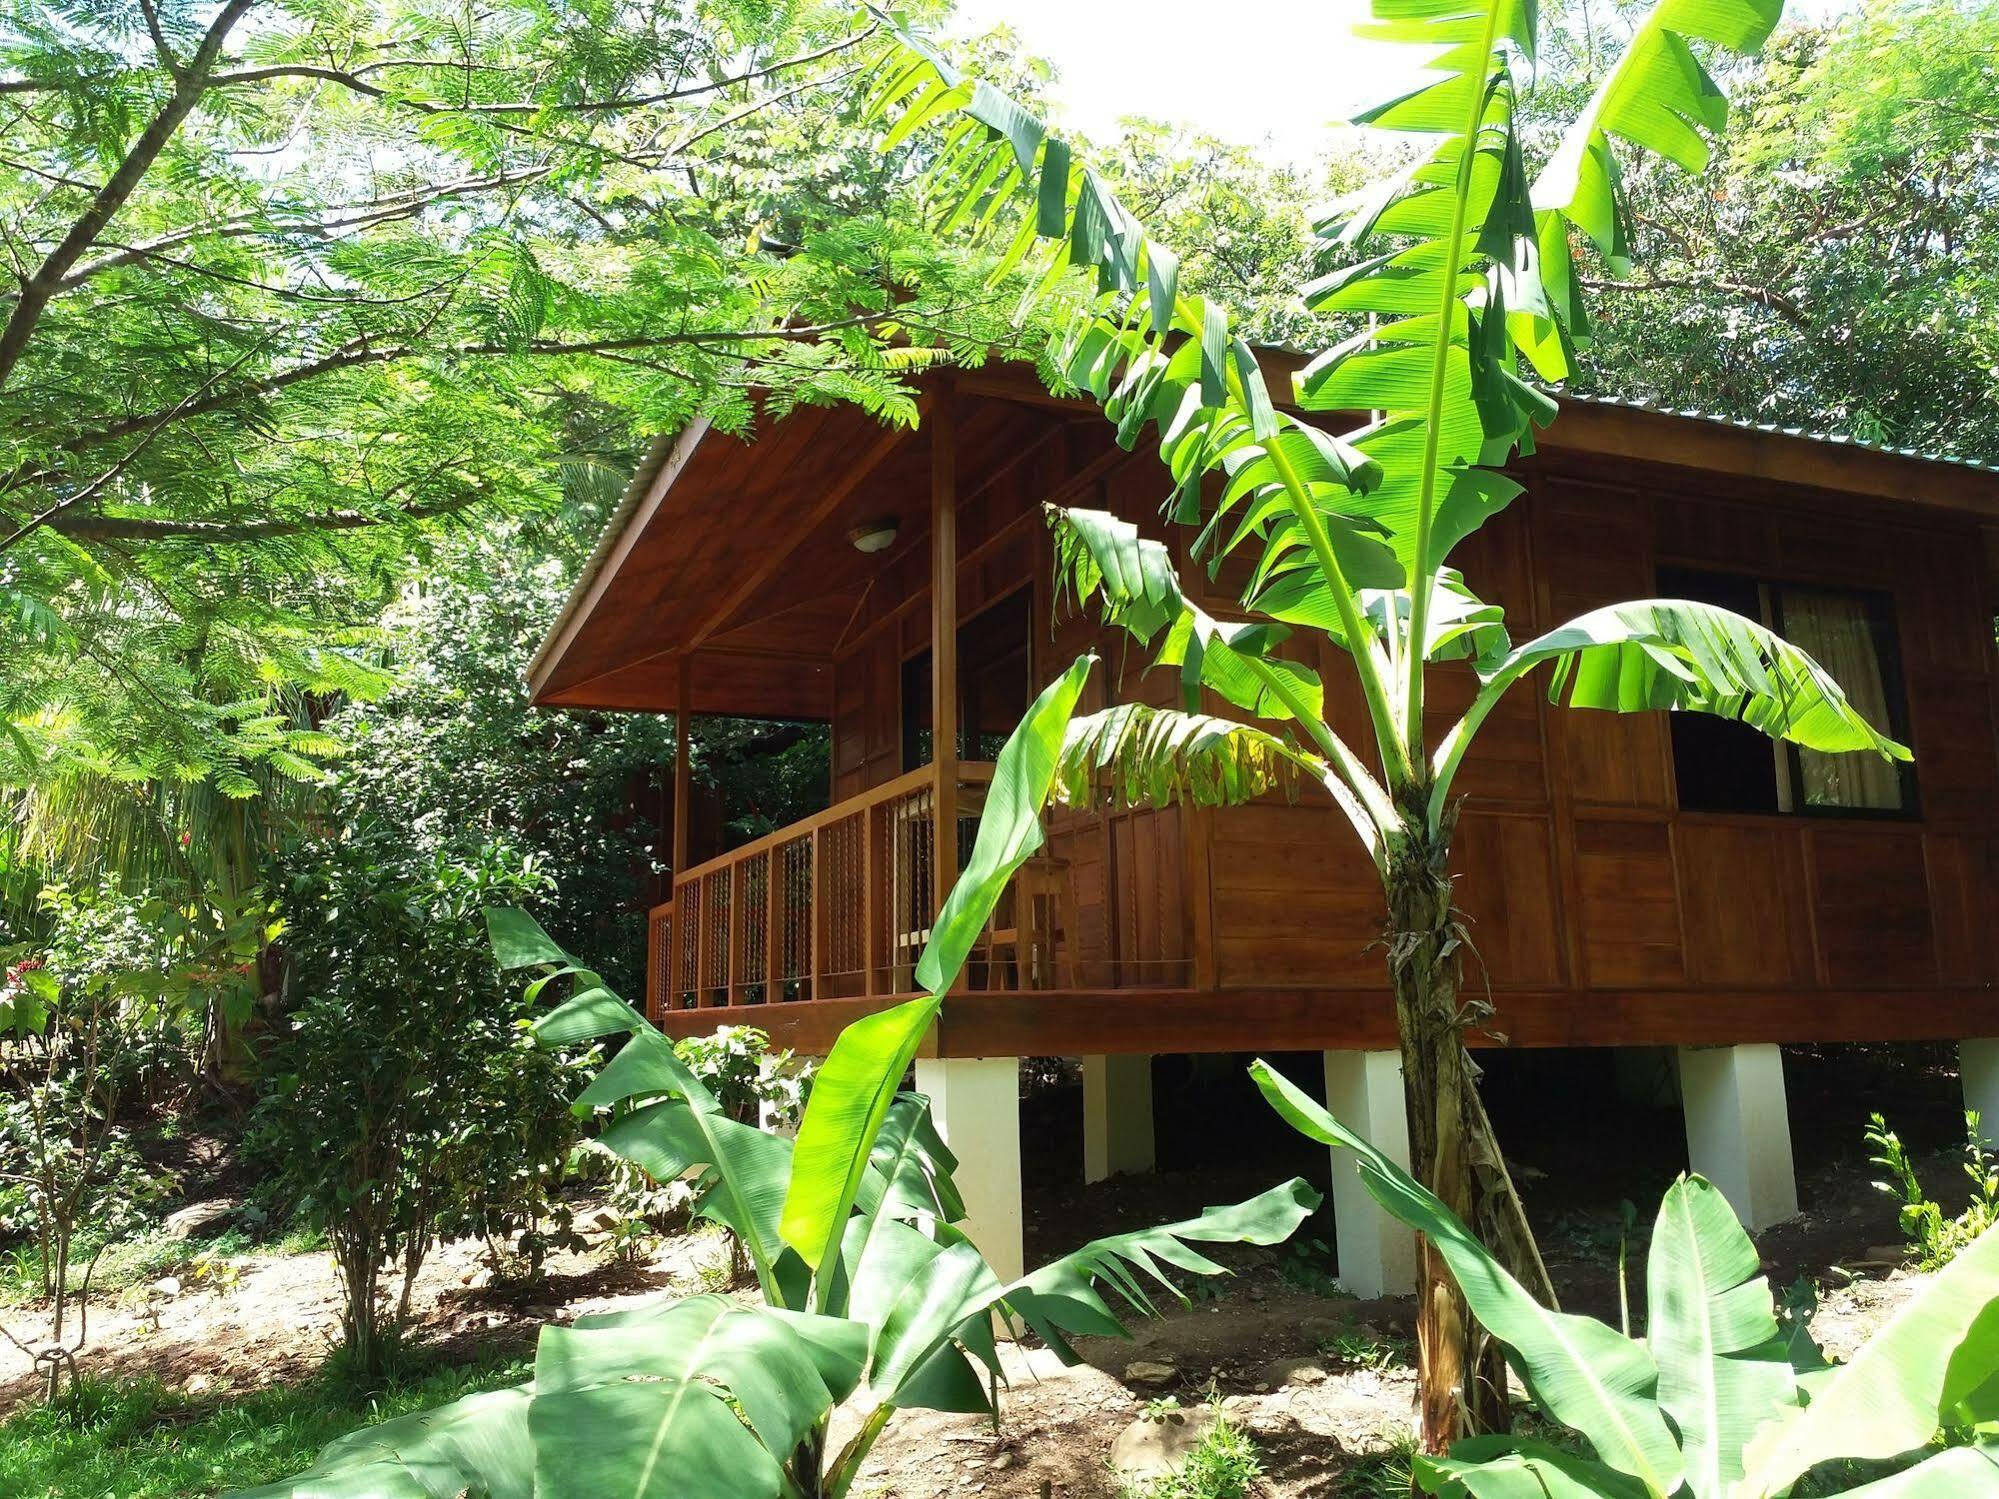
x=641, y=499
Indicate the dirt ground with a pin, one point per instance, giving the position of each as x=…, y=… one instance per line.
x=1321, y=1381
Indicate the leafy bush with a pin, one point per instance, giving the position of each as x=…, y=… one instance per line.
x=406, y=1101
x=868, y=1289
x=754, y=1084
x=1934, y=1240
x=1722, y=1399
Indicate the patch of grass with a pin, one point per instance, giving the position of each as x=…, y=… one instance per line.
x=1225, y=1466
x=1386, y=1474
x=139, y=1261
x=140, y=1440
x=1361, y=1348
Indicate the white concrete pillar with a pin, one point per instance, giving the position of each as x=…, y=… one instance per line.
x=1364, y=1092
x=1117, y=1116
x=1739, y=1128
x=976, y=1104
x=1978, y=1070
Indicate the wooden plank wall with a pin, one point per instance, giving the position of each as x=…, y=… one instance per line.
x=1579, y=872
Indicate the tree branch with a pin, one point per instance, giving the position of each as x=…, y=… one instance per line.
x=366, y=213
x=93, y=527
x=1784, y=306
x=144, y=151
x=356, y=79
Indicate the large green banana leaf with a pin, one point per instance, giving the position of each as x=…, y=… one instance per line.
x=590, y=1011
x=852, y=1092
x=1515, y=1467
x=645, y=1067
x=1904, y=1383
x=1657, y=97
x=746, y=1172
x=1955, y=1473
x=1583, y=1373
x=1680, y=655
x=851, y=1096
x=1712, y=1327
x=475, y=1446
x=1099, y=556
x=1062, y=1299
x=1009, y=829
x=911, y=1168
x=706, y=1399
x=1140, y=756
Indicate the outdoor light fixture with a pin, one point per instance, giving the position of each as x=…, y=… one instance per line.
x=875, y=536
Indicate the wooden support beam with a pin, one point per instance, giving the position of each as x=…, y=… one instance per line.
x=682, y=771
x=943, y=425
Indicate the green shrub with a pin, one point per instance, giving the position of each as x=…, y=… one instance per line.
x=1226, y=1465
x=406, y=1101
x=1934, y=1240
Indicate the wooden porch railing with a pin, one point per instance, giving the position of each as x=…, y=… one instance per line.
x=838, y=905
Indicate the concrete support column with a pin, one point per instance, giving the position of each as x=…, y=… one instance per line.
x=1117, y=1116
x=1978, y=1070
x=976, y=1103
x=1739, y=1128
x=1364, y=1092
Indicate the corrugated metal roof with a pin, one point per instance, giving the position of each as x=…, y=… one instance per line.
x=1809, y=434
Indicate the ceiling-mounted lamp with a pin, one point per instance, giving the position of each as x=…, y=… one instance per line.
x=874, y=536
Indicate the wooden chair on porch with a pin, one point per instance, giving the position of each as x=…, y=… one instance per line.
x=1029, y=942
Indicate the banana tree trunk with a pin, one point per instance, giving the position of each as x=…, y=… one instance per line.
x=1461, y=1375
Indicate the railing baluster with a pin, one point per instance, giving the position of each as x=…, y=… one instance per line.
x=815, y=915
x=869, y=902
x=733, y=978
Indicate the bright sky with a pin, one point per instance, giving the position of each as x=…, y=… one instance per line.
x=1208, y=65
x=1255, y=72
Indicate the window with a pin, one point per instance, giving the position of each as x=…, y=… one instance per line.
x=1725, y=766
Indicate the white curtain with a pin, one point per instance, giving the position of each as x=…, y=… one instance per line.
x=1836, y=631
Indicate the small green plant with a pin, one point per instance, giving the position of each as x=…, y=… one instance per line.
x=1309, y=1265
x=1226, y=1465
x=1387, y=1472
x=1935, y=1240
x=1159, y=1408
x=1363, y=1348
x=631, y=1240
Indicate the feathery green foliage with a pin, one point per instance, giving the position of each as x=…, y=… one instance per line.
x=296, y=287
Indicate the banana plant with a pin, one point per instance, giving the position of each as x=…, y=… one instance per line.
x=1459, y=273
x=1719, y=1400
x=871, y=1301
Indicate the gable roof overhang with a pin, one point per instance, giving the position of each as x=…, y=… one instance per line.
x=733, y=555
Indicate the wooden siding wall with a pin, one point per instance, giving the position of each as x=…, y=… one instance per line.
x=1579, y=872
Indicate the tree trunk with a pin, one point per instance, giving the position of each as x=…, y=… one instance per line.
x=1461, y=1375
